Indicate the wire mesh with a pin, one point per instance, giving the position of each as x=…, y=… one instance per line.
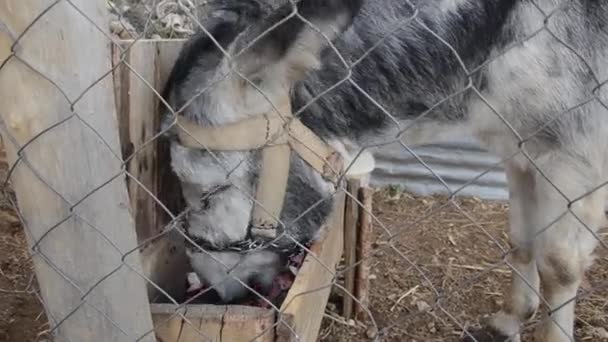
x=410, y=232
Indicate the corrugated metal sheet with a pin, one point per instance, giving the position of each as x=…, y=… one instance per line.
x=457, y=163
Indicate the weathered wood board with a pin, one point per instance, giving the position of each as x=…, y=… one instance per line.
x=216, y=323
x=351, y=217
x=364, y=249
x=299, y=318
x=357, y=246
x=306, y=300
x=140, y=71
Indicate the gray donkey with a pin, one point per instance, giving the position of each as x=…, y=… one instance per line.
x=485, y=68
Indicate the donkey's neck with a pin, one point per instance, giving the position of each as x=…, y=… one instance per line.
x=418, y=64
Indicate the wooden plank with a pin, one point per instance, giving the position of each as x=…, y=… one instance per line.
x=212, y=322
x=168, y=184
x=201, y=323
x=216, y=323
x=242, y=323
x=164, y=57
x=364, y=248
x=204, y=323
x=191, y=331
x=138, y=120
x=351, y=217
x=168, y=51
x=285, y=330
x=139, y=81
x=167, y=327
x=164, y=260
x=306, y=300
x=72, y=160
x=139, y=78
x=303, y=308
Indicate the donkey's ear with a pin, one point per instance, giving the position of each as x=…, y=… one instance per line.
x=288, y=43
x=234, y=12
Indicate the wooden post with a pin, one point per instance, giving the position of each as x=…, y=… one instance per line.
x=138, y=123
x=364, y=248
x=351, y=217
x=137, y=89
x=139, y=77
x=305, y=303
x=85, y=251
x=357, y=245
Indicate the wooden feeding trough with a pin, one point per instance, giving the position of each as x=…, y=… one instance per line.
x=139, y=76
x=300, y=315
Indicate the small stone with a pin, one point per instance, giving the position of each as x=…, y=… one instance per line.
x=371, y=332
x=372, y=277
x=601, y=333
x=422, y=305
x=351, y=322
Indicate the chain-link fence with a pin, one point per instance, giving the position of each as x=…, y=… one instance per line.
x=437, y=265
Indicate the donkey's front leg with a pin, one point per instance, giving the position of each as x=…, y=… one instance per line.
x=522, y=299
x=553, y=239
x=564, y=250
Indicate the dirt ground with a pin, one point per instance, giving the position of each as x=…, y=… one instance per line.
x=21, y=314
x=456, y=256
x=446, y=250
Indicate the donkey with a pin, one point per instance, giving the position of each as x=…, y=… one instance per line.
x=523, y=77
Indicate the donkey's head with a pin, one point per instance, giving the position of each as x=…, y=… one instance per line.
x=244, y=63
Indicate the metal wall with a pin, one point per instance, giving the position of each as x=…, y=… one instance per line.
x=457, y=163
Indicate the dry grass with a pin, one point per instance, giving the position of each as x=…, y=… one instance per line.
x=21, y=314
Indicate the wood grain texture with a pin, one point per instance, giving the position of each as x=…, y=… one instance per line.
x=306, y=300
x=68, y=174
x=165, y=262
x=169, y=186
x=139, y=78
x=242, y=323
x=141, y=70
x=302, y=310
x=214, y=323
x=351, y=219
x=364, y=249
x=167, y=324
x=136, y=79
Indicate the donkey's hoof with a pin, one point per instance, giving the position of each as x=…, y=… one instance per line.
x=486, y=334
